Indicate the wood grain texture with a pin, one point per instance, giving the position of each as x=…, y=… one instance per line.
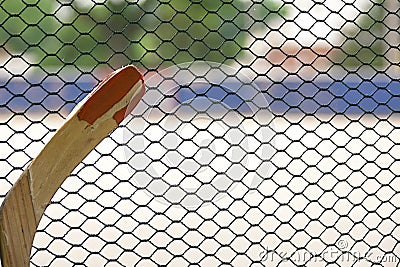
x=93, y=119
x=17, y=224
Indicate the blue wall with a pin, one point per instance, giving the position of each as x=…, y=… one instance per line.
x=307, y=97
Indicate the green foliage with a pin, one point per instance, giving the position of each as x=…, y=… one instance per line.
x=26, y=27
x=149, y=31
x=366, y=43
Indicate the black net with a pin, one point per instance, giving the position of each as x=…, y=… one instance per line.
x=268, y=136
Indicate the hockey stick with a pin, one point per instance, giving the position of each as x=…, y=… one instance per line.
x=89, y=123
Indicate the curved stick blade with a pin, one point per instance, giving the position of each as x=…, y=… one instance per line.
x=89, y=123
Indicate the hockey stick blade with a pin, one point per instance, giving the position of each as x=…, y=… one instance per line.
x=89, y=123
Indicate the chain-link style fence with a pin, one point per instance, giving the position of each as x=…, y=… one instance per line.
x=269, y=134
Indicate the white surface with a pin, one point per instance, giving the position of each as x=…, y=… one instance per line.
x=323, y=190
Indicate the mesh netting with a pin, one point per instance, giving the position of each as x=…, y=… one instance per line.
x=268, y=136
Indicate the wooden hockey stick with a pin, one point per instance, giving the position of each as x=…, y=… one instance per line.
x=89, y=123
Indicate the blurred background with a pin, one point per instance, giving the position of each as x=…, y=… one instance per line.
x=64, y=47
x=327, y=72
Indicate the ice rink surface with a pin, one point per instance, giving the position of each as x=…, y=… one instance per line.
x=329, y=179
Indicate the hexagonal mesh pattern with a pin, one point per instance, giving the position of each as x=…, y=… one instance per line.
x=295, y=164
